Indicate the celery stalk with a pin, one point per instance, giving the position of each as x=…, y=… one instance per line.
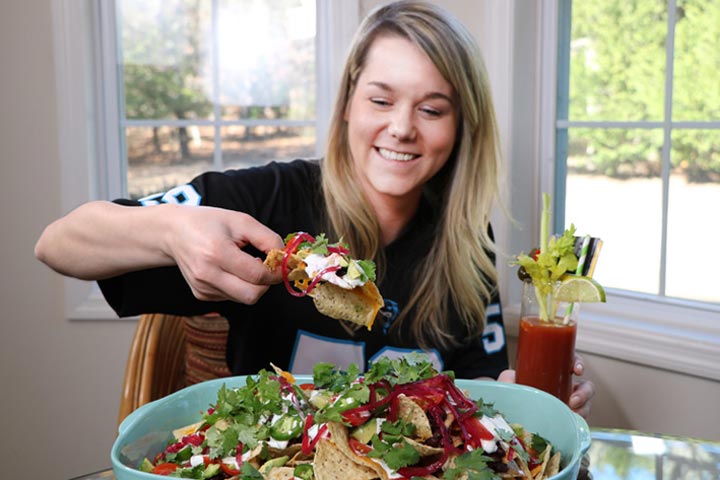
x=544, y=240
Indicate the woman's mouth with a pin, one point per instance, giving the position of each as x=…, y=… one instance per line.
x=396, y=156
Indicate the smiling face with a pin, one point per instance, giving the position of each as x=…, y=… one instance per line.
x=402, y=121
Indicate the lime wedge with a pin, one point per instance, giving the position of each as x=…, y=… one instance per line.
x=575, y=288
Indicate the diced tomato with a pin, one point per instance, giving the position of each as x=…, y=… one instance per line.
x=307, y=386
x=356, y=416
x=229, y=469
x=164, y=468
x=159, y=458
x=431, y=398
x=359, y=447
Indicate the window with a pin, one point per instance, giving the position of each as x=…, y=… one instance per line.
x=213, y=85
x=628, y=140
x=638, y=141
x=152, y=93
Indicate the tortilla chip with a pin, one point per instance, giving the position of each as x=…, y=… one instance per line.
x=275, y=257
x=513, y=470
x=290, y=451
x=339, y=434
x=553, y=466
x=540, y=474
x=524, y=467
x=281, y=473
x=359, y=305
x=424, y=450
x=411, y=412
x=332, y=464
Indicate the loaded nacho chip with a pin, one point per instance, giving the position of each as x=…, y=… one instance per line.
x=341, y=287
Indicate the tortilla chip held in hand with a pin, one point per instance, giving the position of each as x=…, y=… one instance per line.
x=341, y=287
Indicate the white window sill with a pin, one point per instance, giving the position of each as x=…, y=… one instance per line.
x=671, y=336
x=84, y=301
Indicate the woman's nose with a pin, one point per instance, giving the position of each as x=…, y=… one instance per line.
x=402, y=126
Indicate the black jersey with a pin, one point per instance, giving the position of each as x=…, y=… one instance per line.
x=286, y=330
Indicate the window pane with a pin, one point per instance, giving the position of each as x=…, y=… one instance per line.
x=267, y=59
x=614, y=192
x=165, y=53
x=160, y=158
x=617, y=60
x=693, y=258
x=251, y=146
x=696, y=93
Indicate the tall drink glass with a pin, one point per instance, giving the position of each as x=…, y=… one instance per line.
x=546, y=349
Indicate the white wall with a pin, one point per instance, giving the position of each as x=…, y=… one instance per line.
x=60, y=380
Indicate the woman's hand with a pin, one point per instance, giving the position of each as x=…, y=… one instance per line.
x=206, y=243
x=583, y=389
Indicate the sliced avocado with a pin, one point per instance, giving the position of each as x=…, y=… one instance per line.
x=211, y=470
x=146, y=466
x=321, y=399
x=365, y=432
x=353, y=271
x=273, y=463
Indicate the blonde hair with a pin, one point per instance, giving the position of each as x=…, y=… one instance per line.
x=459, y=265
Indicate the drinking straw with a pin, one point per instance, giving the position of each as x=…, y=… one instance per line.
x=578, y=271
x=545, y=222
x=544, y=241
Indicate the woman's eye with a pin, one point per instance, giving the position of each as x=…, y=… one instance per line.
x=431, y=112
x=380, y=101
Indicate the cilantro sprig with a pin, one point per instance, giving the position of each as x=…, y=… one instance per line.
x=409, y=368
x=471, y=466
x=392, y=447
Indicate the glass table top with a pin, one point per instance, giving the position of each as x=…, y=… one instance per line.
x=623, y=454
x=628, y=455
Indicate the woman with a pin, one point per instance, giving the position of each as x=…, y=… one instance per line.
x=409, y=180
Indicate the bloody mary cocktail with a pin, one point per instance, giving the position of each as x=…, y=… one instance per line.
x=545, y=356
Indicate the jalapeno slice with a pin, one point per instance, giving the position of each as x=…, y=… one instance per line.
x=286, y=427
x=304, y=471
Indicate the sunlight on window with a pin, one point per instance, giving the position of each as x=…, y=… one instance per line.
x=213, y=85
x=642, y=161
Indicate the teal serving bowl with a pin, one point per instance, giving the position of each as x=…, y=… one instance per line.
x=146, y=431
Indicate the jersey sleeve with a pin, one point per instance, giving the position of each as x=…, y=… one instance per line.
x=259, y=191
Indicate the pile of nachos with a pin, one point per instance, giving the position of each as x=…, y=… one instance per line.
x=400, y=420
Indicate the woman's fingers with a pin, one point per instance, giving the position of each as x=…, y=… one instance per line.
x=207, y=247
x=507, y=376
x=246, y=230
x=581, y=398
x=579, y=365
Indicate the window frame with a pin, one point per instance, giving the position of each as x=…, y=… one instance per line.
x=661, y=332
x=88, y=111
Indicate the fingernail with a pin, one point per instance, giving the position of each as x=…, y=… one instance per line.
x=574, y=401
x=579, y=367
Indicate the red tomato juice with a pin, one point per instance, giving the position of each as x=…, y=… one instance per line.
x=545, y=356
